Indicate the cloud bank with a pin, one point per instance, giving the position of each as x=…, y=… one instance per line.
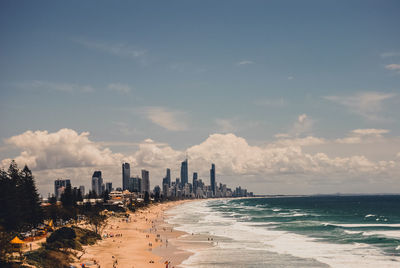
x=68, y=154
x=62, y=149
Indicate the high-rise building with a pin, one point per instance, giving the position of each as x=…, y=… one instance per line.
x=212, y=178
x=145, y=181
x=97, y=183
x=194, y=182
x=82, y=189
x=59, y=186
x=168, y=177
x=134, y=185
x=126, y=174
x=184, y=172
x=109, y=187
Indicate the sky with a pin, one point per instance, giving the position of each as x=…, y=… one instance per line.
x=285, y=97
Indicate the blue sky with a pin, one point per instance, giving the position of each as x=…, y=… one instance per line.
x=176, y=72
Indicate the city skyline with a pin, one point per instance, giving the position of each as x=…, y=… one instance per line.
x=285, y=97
x=139, y=186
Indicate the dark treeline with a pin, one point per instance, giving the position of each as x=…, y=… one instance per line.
x=21, y=210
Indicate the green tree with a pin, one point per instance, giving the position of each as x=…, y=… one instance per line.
x=105, y=196
x=146, y=197
x=66, y=198
x=95, y=218
x=30, y=201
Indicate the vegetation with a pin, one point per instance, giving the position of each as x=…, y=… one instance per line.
x=21, y=211
x=20, y=208
x=56, y=251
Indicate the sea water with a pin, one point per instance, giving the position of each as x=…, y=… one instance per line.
x=313, y=231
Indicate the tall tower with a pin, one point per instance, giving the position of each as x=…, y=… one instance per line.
x=212, y=178
x=168, y=177
x=97, y=182
x=184, y=172
x=126, y=174
x=145, y=181
x=194, y=182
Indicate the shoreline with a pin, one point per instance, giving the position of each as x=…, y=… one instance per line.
x=145, y=240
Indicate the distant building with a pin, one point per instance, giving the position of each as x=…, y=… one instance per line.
x=184, y=172
x=212, y=178
x=168, y=177
x=134, y=185
x=97, y=183
x=82, y=189
x=59, y=186
x=194, y=182
x=157, y=191
x=126, y=175
x=109, y=188
x=145, y=181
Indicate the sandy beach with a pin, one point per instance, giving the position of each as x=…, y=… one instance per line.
x=131, y=243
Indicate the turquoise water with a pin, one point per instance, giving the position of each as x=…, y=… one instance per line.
x=315, y=231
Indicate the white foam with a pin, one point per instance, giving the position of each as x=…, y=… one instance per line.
x=247, y=234
x=390, y=234
x=369, y=215
x=364, y=225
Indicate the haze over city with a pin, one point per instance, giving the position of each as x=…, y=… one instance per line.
x=298, y=100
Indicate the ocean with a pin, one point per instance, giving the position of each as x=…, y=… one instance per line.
x=307, y=231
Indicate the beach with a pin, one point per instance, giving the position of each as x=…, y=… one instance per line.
x=132, y=243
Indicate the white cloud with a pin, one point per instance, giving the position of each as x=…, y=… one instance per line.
x=367, y=104
x=370, y=131
x=121, y=88
x=290, y=77
x=303, y=125
x=390, y=54
x=287, y=141
x=52, y=86
x=62, y=149
x=169, y=119
x=233, y=155
x=363, y=136
x=67, y=154
x=244, y=62
x=393, y=67
x=118, y=49
x=282, y=136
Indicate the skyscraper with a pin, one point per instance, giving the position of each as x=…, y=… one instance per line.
x=194, y=182
x=97, y=182
x=134, y=184
x=109, y=187
x=168, y=177
x=184, y=172
x=82, y=189
x=59, y=186
x=126, y=174
x=145, y=181
x=212, y=178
